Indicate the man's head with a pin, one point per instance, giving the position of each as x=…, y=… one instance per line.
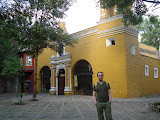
x=100, y=76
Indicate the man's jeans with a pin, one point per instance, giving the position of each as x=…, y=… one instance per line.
x=106, y=107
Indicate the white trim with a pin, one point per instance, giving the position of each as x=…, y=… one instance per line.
x=70, y=78
x=67, y=89
x=117, y=30
x=57, y=63
x=155, y=76
x=116, y=17
x=111, y=33
x=85, y=33
x=112, y=29
x=53, y=78
x=146, y=70
x=53, y=88
x=58, y=67
x=108, y=32
x=56, y=85
x=65, y=76
x=67, y=55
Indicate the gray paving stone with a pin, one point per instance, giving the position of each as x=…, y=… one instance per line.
x=74, y=108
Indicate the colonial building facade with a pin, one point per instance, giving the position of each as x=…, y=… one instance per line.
x=130, y=67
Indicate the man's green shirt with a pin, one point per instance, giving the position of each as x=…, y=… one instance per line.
x=102, y=92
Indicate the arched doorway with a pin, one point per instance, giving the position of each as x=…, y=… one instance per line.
x=82, y=73
x=45, y=79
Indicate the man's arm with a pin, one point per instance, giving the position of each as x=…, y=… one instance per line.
x=94, y=96
x=109, y=94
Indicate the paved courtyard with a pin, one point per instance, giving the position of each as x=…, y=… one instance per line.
x=74, y=108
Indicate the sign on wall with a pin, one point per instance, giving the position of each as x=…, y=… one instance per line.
x=75, y=81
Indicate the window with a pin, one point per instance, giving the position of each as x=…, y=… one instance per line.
x=110, y=41
x=155, y=72
x=132, y=49
x=28, y=60
x=113, y=42
x=146, y=70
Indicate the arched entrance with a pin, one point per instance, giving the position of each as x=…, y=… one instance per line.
x=45, y=79
x=82, y=73
x=61, y=81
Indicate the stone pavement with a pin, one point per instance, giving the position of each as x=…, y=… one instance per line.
x=75, y=107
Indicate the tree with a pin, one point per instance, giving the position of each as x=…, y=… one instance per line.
x=132, y=10
x=37, y=26
x=8, y=51
x=150, y=31
x=12, y=68
x=6, y=46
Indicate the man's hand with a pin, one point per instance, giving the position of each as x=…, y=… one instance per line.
x=94, y=96
x=110, y=96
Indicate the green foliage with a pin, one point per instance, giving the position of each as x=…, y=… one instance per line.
x=156, y=103
x=11, y=66
x=132, y=10
x=8, y=33
x=35, y=26
x=62, y=40
x=37, y=23
x=150, y=31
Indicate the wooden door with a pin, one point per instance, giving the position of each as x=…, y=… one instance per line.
x=61, y=84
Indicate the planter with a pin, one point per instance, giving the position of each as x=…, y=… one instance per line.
x=155, y=106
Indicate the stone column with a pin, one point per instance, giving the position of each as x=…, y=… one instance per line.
x=70, y=79
x=68, y=89
x=65, y=77
x=52, y=81
x=56, y=82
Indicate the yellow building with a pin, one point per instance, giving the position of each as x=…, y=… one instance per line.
x=130, y=67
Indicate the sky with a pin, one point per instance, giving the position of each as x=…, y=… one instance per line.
x=81, y=15
x=84, y=14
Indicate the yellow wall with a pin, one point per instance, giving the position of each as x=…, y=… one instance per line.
x=138, y=83
x=111, y=60
x=43, y=60
x=125, y=72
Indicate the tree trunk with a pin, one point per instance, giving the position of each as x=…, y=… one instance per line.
x=35, y=77
x=16, y=84
x=159, y=50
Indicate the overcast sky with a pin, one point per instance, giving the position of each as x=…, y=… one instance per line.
x=82, y=14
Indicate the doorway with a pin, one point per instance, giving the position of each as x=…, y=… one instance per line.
x=61, y=82
x=45, y=79
x=83, y=72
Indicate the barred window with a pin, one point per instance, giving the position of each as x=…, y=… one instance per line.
x=146, y=70
x=132, y=49
x=28, y=60
x=155, y=72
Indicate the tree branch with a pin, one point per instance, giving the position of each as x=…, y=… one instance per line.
x=151, y=1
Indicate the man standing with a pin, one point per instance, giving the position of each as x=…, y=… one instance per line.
x=103, y=98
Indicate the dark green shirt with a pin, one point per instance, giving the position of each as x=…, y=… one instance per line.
x=102, y=92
